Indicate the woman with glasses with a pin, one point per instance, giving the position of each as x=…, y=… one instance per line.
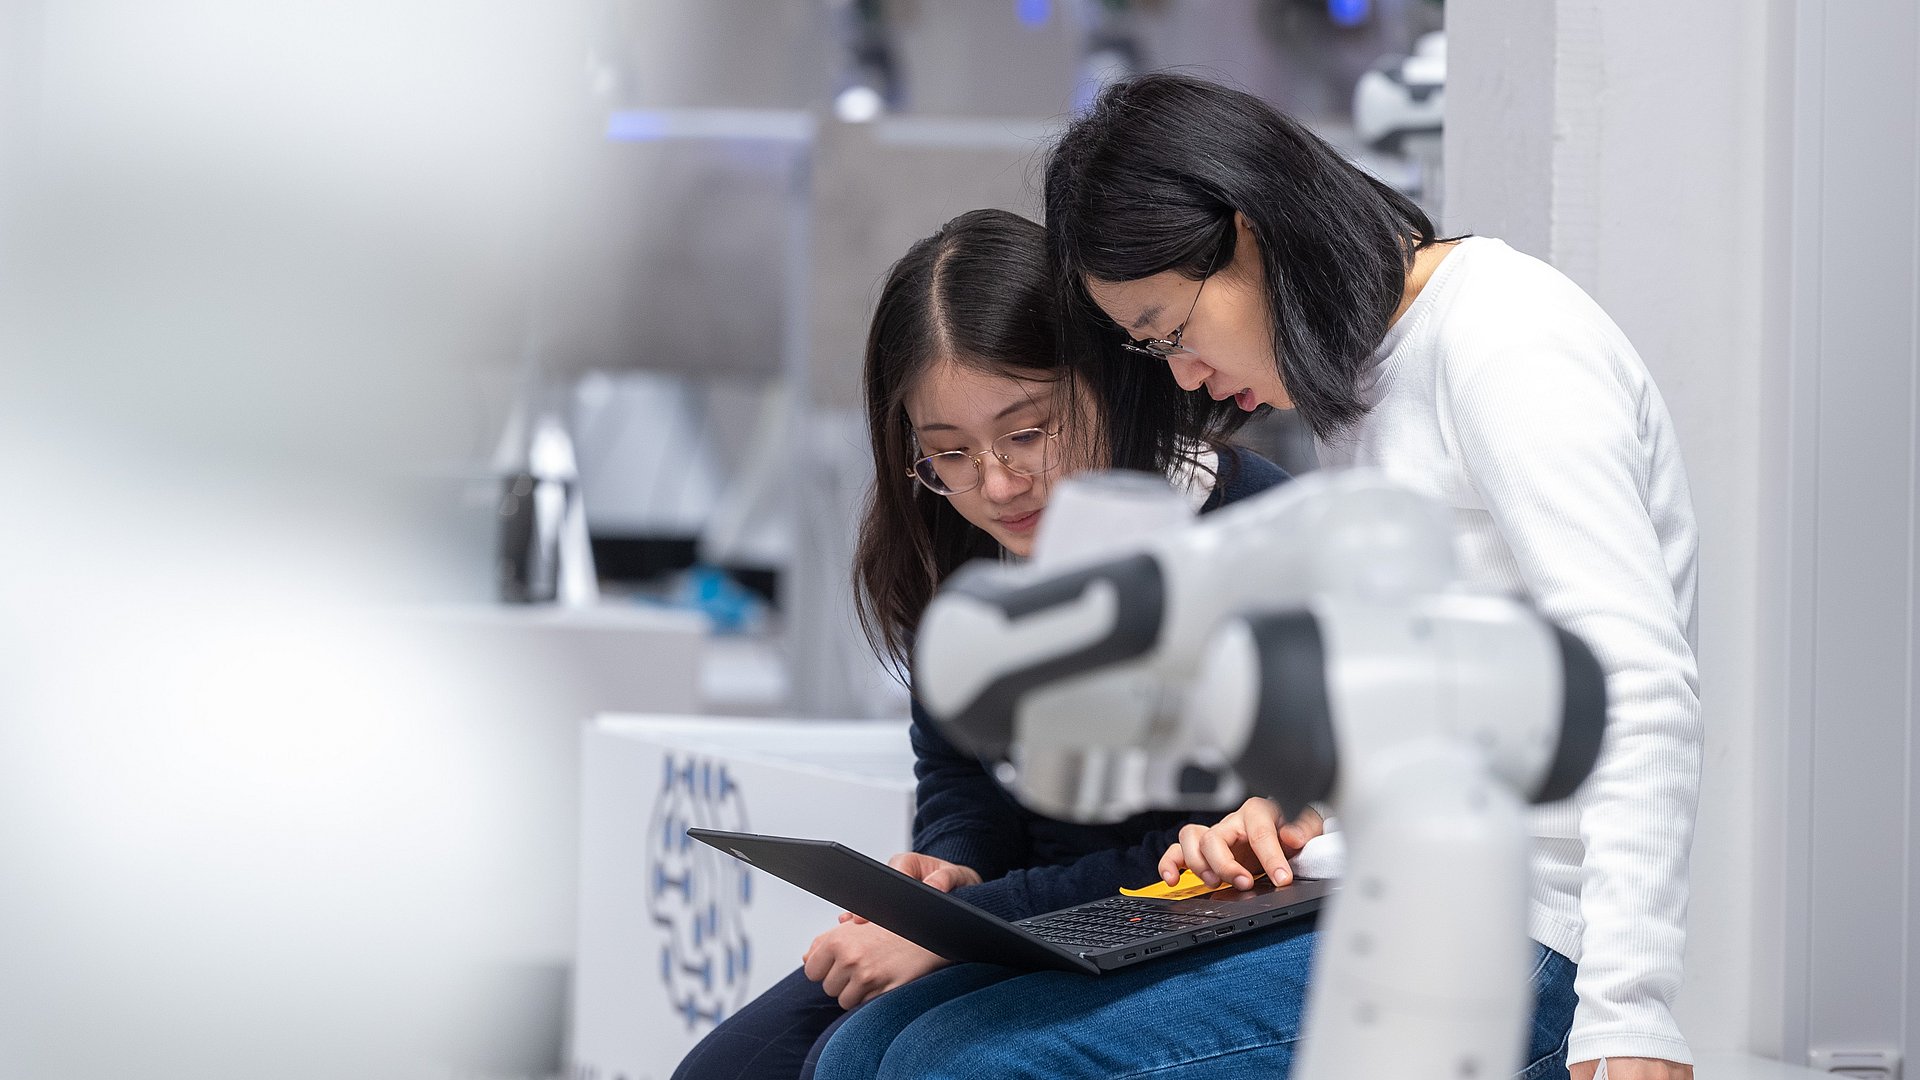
x=1213, y=235
x=972, y=418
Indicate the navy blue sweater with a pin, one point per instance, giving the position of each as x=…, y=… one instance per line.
x=1033, y=864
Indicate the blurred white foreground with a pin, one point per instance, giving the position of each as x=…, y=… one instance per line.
x=257, y=265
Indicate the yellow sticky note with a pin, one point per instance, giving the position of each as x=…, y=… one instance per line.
x=1188, y=885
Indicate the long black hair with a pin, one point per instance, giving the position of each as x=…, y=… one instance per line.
x=979, y=293
x=1149, y=180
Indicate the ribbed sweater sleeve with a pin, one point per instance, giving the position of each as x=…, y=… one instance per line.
x=961, y=815
x=1556, y=440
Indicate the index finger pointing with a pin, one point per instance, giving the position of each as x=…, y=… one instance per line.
x=1171, y=864
x=1263, y=836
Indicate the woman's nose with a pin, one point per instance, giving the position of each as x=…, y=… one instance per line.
x=999, y=483
x=1188, y=370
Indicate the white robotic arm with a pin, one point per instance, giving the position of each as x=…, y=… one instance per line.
x=1079, y=661
x=1305, y=644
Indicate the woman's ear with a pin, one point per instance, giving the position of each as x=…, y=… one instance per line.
x=1246, y=245
x=1244, y=230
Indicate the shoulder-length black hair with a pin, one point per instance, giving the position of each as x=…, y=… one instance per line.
x=980, y=293
x=1149, y=180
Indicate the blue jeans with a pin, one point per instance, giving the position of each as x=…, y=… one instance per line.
x=1219, y=1013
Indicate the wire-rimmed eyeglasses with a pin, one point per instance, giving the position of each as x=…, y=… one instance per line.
x=1162, y=348
x=1028, y=452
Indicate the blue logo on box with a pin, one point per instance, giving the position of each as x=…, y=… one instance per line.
x=697, y=897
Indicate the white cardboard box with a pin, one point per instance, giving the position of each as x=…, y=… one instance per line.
x=674, y=935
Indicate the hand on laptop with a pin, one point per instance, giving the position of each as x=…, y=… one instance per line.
x=939, y=873
x=856, y=962
x=1251, y=836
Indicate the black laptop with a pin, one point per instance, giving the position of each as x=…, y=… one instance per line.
x=1115, y=932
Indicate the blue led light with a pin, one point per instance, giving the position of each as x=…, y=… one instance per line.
x=1349, y=12
x=636, y=125
x=1034, y=12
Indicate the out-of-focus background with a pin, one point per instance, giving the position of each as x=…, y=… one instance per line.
x=387, y=390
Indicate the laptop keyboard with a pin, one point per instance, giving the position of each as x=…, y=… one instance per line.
x=1114, y=921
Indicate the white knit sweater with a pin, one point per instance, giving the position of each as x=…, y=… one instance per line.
x=1505, y=392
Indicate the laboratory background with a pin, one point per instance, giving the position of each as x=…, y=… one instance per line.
x=433, y=446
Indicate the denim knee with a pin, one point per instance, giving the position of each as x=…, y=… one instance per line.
x=1553, y=1004
x=856, y=1050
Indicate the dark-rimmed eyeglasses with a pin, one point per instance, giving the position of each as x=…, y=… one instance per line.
x=1028, y=452
x=1162, y=348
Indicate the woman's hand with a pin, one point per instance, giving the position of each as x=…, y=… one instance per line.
x=939, y=873
x=1250, y=836
x=856, y=962
x=1632, y=1069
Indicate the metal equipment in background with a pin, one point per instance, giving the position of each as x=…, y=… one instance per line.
x=723, y=251
x=1398, y=108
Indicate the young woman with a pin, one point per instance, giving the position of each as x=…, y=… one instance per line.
x=972, y=418
x=1201, y=229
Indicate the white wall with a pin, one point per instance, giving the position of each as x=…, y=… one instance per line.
x=1852, y=345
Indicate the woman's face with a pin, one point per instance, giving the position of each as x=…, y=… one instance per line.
x=1226, y=333
x=954, y=407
